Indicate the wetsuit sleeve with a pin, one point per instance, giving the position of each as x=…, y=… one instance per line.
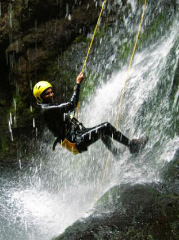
x=75, y=96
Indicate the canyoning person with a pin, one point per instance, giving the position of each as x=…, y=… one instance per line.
x=69, y=132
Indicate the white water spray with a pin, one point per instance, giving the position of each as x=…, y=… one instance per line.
x=63, y=188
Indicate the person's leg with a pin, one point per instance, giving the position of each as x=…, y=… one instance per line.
x=110, y=145
x=99, y=132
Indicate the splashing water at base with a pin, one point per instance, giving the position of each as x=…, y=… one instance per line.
x=60, y=188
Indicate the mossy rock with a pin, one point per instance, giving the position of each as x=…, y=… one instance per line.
x=134, y=212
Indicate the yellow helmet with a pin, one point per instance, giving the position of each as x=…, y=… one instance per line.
x=39, y=88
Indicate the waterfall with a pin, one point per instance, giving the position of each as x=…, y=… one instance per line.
x=43, y=199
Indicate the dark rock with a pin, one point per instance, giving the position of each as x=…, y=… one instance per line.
x=133, y=212
x=170, y=174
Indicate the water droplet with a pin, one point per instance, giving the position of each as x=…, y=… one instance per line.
x=0, y=10
x=10, y=15
x=15, y=106
x=20, y=165
x=17, y=89
x=15, y=122
x=9, y=124
x=67, y=10
x=31, y=85
x=26, y=3
x=12, y=139
x=10, y=118
x=33, y=122
x=69, y=17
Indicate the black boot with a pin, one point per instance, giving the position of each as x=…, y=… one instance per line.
x=137, y=144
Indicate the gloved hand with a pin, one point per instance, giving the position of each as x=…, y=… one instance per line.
x=80, y=78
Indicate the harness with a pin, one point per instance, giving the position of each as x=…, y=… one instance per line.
x=69, y=141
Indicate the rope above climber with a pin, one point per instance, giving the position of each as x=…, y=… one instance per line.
x=69, y=132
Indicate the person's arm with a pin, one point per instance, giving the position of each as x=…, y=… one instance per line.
x=75, y=97
x=72, y=104
x=76, y=93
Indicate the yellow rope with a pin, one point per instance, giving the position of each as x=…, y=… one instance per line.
x=130, y=64
x=122, y=92
x=102, y=8
x=84, y=65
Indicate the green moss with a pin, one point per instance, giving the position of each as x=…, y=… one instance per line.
x=175, y=230
x=101, y=31
x=149, y=237
x=80, y=38
x=154, y=30
x=3, y=102
x=89, y=86
x=3, y=145
x=22, y=111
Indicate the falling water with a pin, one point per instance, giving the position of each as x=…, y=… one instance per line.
x=26, y=3
x=0, y=10
x=33, y=122
x=59, y=188
x=10, y=128
x=10, y=15
x=67, y=10
x=15, y=105
x=69, y=17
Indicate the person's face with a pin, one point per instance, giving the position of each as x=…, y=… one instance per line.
x=47, y=96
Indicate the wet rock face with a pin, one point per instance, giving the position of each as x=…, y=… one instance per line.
x=39, y=29
x=32, y=34
x=133, y=212
x=170, y=174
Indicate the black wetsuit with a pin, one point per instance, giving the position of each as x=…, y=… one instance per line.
x=63, y=127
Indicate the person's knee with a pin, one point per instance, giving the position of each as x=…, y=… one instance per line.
x=103, y=129
x=106, y=129
x=107, y=125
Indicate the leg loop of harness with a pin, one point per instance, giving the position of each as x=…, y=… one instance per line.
x=70, y=141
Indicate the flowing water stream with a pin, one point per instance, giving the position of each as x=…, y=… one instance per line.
x=41, y=200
